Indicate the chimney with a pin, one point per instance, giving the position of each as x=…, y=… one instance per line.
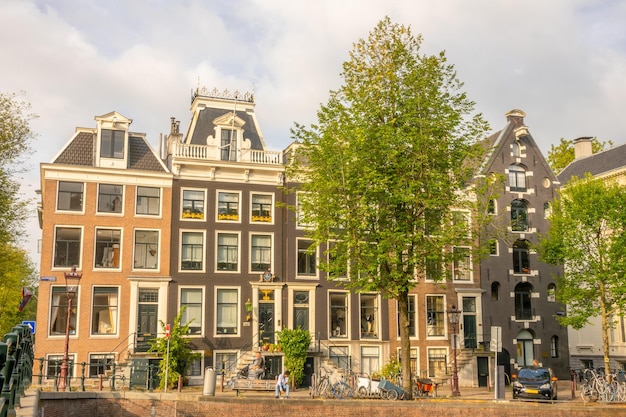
x=582, y=147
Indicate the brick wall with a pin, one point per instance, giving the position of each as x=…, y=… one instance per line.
x=166, y=405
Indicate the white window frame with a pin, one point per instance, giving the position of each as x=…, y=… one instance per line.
x=98, y=259
x=217, y=206
x=456, y=263
x=299, y=223
x=81, y=244
x=272, y=211
x=316, y=255
x=332, y=334
x=202, y=289
x=311, y=305
x=271, y=265
x=192, y=217
x=115, y=321
x=376, y=324
x=160, y=205
x=443, y=317
x=237, y=333
x=82, y=204
x=414, y=336
x=180, y=250
x=217, y=247
x=122, y=202
x=157, y=255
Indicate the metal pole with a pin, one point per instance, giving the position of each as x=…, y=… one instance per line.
x=455, y=376
x=63, y=378
x=167, y=362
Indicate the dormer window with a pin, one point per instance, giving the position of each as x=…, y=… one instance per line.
x=229, y=145
x=112, y=145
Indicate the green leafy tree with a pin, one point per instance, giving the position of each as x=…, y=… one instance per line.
x=561, y=155
x=389, y=158
x=16, y=269
x=180, y=354
x=295, y=343
x=15, y=144
x=588, y=237
x=17, y=272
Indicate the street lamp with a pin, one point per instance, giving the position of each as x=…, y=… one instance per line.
x=72, y=279
x=453, y=316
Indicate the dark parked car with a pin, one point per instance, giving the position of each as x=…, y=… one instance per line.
x=535, y=382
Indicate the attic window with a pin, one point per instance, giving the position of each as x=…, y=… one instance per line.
x=112, y=144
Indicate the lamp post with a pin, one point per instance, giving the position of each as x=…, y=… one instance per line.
x=453, y=316
x=72, y=279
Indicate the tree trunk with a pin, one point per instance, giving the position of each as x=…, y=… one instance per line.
x=605, y=331
x=405, y=343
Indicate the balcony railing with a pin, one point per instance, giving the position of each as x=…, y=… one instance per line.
x=213, y=153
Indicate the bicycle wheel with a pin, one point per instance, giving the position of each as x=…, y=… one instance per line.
x=588, y=394
x=342, y=391
x=362, y=392
x=392, y=395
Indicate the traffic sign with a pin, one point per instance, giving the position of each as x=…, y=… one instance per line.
x=167, y=331
x=31, y=325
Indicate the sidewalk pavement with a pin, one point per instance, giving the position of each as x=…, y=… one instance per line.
x=28, y=403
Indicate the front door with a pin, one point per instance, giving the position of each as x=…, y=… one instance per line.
x=147, y=318
x=266, y=322
x=483, y=371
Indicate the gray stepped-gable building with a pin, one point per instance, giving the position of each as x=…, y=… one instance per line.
x=520, y=289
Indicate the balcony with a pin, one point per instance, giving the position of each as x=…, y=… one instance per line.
x=214, y=153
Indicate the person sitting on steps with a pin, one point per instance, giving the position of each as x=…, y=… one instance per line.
x=282, y=384
x=258, y=367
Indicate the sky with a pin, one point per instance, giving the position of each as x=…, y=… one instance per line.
x=563, y=62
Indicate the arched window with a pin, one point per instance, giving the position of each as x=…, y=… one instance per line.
x=495, y=291
x=551, y=293
x=521, y=257
x=523, y=307
x=554, y=347
x=515, y=148
x=517, y=178
x=519, y=216
x=525, y=351
x=546, y=210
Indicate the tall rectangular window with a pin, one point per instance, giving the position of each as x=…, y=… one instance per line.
x=435, y=317
x=146, y=249
x=227, y=311
x=227, y=252
x=369, y=316
x=58, y=312
x=67, y=242
x=228, y=206
x=191, y=299
x=461, y=267
x=306, y=259
x=70, y=196
x=433, y=268
x=148, y=201
x=110, y=198
x=229, y=145
x=262, y=208
x=301, y=220
x=370, y=359
x=340, y=355
x=107, y=248
x=301, y=310
x=260, y=253
x=338, y=314
x=192, y=251
x=104, y=310
x=412, y=312
x=112, y=144
x=193, y=204
x=437, y=360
